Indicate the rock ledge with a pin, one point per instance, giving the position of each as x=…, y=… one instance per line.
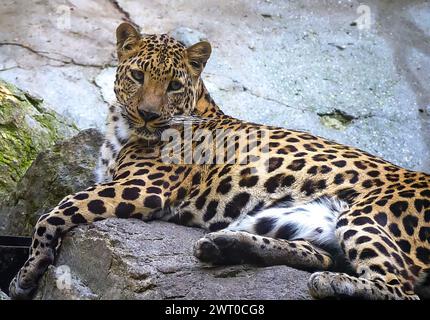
x=131, y=259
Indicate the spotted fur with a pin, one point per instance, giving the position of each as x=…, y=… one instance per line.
x=288, y=197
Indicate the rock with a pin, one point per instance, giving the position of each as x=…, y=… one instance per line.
x=131, y=259
x=4, y=296
x=65, y=168
x=27, y=127
x=188, y=36
x=105, y=81
x=59, y=51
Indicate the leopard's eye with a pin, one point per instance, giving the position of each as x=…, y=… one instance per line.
x=127, y=47
x=138, y=75
x=195, y=64
x=174, y=85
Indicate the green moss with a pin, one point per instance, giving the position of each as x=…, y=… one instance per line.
x=336, y=120
x=26, y=128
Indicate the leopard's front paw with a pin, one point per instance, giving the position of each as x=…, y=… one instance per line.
x=206, y=250
x=320, y=285
x=18, y=292
x=25, y=282
x=219, y=248
x=332, y=285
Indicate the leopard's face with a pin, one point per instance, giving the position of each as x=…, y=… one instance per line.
x=157, y=79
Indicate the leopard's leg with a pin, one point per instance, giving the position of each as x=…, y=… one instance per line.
x=117, y=199
x=236, y=247
x=323, y=285
x=383, y=269
x=278, y=235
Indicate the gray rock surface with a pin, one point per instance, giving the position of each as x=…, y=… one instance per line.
x=65, y=168
x=4, y=296
x=350, y=71
x=56, y=48
x=188, y=36
x=131, y=259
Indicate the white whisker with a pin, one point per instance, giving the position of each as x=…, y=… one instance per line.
x=183, y=118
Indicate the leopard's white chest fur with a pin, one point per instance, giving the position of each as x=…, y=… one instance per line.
x=117, y=134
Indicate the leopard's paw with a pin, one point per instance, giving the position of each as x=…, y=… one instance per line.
x=18, y=292
x=218, y=248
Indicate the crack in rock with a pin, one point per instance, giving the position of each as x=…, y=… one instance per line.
x=228, y=274
x=10, y=68
x=274, y=100
x=124, y=13
x=174, y=297
x=238, y=84
x=339, y=120
x=44, y=54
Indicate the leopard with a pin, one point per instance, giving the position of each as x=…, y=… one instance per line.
x=266, y=195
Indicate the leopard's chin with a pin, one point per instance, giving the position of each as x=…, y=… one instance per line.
x=150, y=135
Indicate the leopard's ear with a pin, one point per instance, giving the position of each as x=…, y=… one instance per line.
x=126, y=38
x=197, y=56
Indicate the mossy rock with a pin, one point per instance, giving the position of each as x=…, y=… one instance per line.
x=337, y=119
x=26, y=128
x=63, y=169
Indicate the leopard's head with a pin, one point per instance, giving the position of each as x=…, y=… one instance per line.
x=157, y=78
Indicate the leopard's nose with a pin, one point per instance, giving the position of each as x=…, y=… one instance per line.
x=147, y=115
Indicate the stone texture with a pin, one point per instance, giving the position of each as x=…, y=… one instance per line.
x=65, y=168
x=56, y=49
x=131, y=259
x=188, y=36
x=27, y=127
x=4, y=296
x=295, y=64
